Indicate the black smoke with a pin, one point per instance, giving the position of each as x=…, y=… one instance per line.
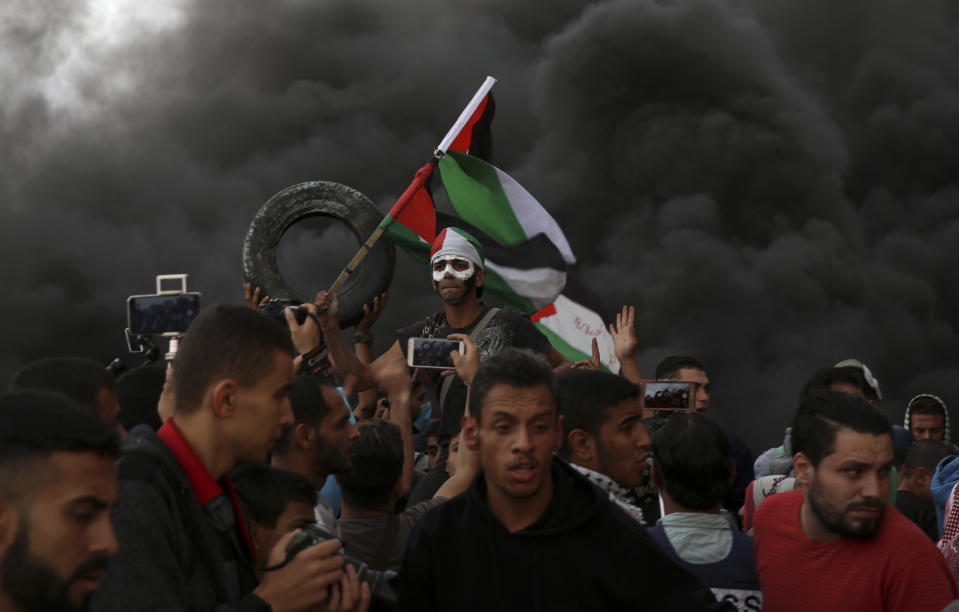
x=772, y=182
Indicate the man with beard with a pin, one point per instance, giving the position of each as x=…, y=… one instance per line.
x=834, y=544
x=530, y=533
x=458, y=277
x=56, y=490
x=320, y=441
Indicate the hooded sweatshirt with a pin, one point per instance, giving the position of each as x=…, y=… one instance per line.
x=584, y=553
x=947, y=426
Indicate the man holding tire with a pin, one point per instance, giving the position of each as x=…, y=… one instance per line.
x=458, y=276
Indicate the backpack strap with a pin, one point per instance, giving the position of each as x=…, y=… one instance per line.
x=448, y=381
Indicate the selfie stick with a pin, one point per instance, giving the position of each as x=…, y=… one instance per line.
x=421, y=175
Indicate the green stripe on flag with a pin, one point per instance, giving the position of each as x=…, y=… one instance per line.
x=560, y=345
x=474, y=190
x=407, y=239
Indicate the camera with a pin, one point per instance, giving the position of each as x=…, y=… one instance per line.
x=274, y=308
x=379, y=581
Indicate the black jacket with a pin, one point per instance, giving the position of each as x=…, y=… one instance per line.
x=171, y=554
x=584, y=553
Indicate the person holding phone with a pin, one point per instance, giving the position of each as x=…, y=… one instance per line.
x=458, y=277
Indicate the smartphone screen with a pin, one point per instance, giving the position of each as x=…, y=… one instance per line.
x=667, y=395
x=161, y=314
x=431, y=352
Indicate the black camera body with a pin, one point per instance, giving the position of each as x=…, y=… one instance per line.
x=379, y=581
x=274, y=307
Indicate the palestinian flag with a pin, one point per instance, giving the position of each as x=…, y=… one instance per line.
x=526, y=276
x=411, y=223
x=573, y=320
x=492, y=201
x=476, y=137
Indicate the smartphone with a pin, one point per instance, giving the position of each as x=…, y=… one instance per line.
x=667, y=395
x=432, y=352
x=162, y=314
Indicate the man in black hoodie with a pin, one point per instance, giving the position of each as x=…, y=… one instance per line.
x=533, y=532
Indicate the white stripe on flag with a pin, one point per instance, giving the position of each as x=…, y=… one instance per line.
x=539, y=285
x=532, y=217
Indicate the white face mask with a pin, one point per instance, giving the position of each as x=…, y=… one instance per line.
x=448, y=268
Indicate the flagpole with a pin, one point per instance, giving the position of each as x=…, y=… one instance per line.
x=464, y=116
x=421, y=175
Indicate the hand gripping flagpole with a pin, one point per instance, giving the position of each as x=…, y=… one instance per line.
x=421, y=175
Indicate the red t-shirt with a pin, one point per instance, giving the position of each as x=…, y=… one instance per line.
x=897, y=569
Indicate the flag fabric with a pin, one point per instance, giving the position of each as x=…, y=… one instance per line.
x=476, y=137
x=525, y=276
x=411, y=223
x=526, y=252
x=492, y=201
x=455, y=242
x=573, y=320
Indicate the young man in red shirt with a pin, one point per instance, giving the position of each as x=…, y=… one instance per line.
x=835, y=544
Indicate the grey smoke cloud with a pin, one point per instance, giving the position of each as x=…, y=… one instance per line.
x=772, y=183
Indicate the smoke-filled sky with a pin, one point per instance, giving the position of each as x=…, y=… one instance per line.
x=773, y=183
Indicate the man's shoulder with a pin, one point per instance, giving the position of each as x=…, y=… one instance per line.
x=146, y=459
x=415, y=329
x=778, y=509
x=513, y=316
x=437, y=516
x=900, y=534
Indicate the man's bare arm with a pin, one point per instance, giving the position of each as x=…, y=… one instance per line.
x=363, y=346
x=356, y=374
x=394, y=378
x=467, y=461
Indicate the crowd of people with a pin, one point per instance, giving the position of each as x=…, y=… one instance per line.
x=275, y=465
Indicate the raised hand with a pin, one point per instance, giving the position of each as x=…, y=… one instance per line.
x=625, y=343
x=252, y=296
x=468, y=363
x=623, y=332
x=307, y=336
x=590, y=364
x=327, y=307
x=371, y=313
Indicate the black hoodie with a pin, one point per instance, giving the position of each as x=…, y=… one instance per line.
x=583, y=553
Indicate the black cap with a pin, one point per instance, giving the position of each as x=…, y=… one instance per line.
x=48, y=421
